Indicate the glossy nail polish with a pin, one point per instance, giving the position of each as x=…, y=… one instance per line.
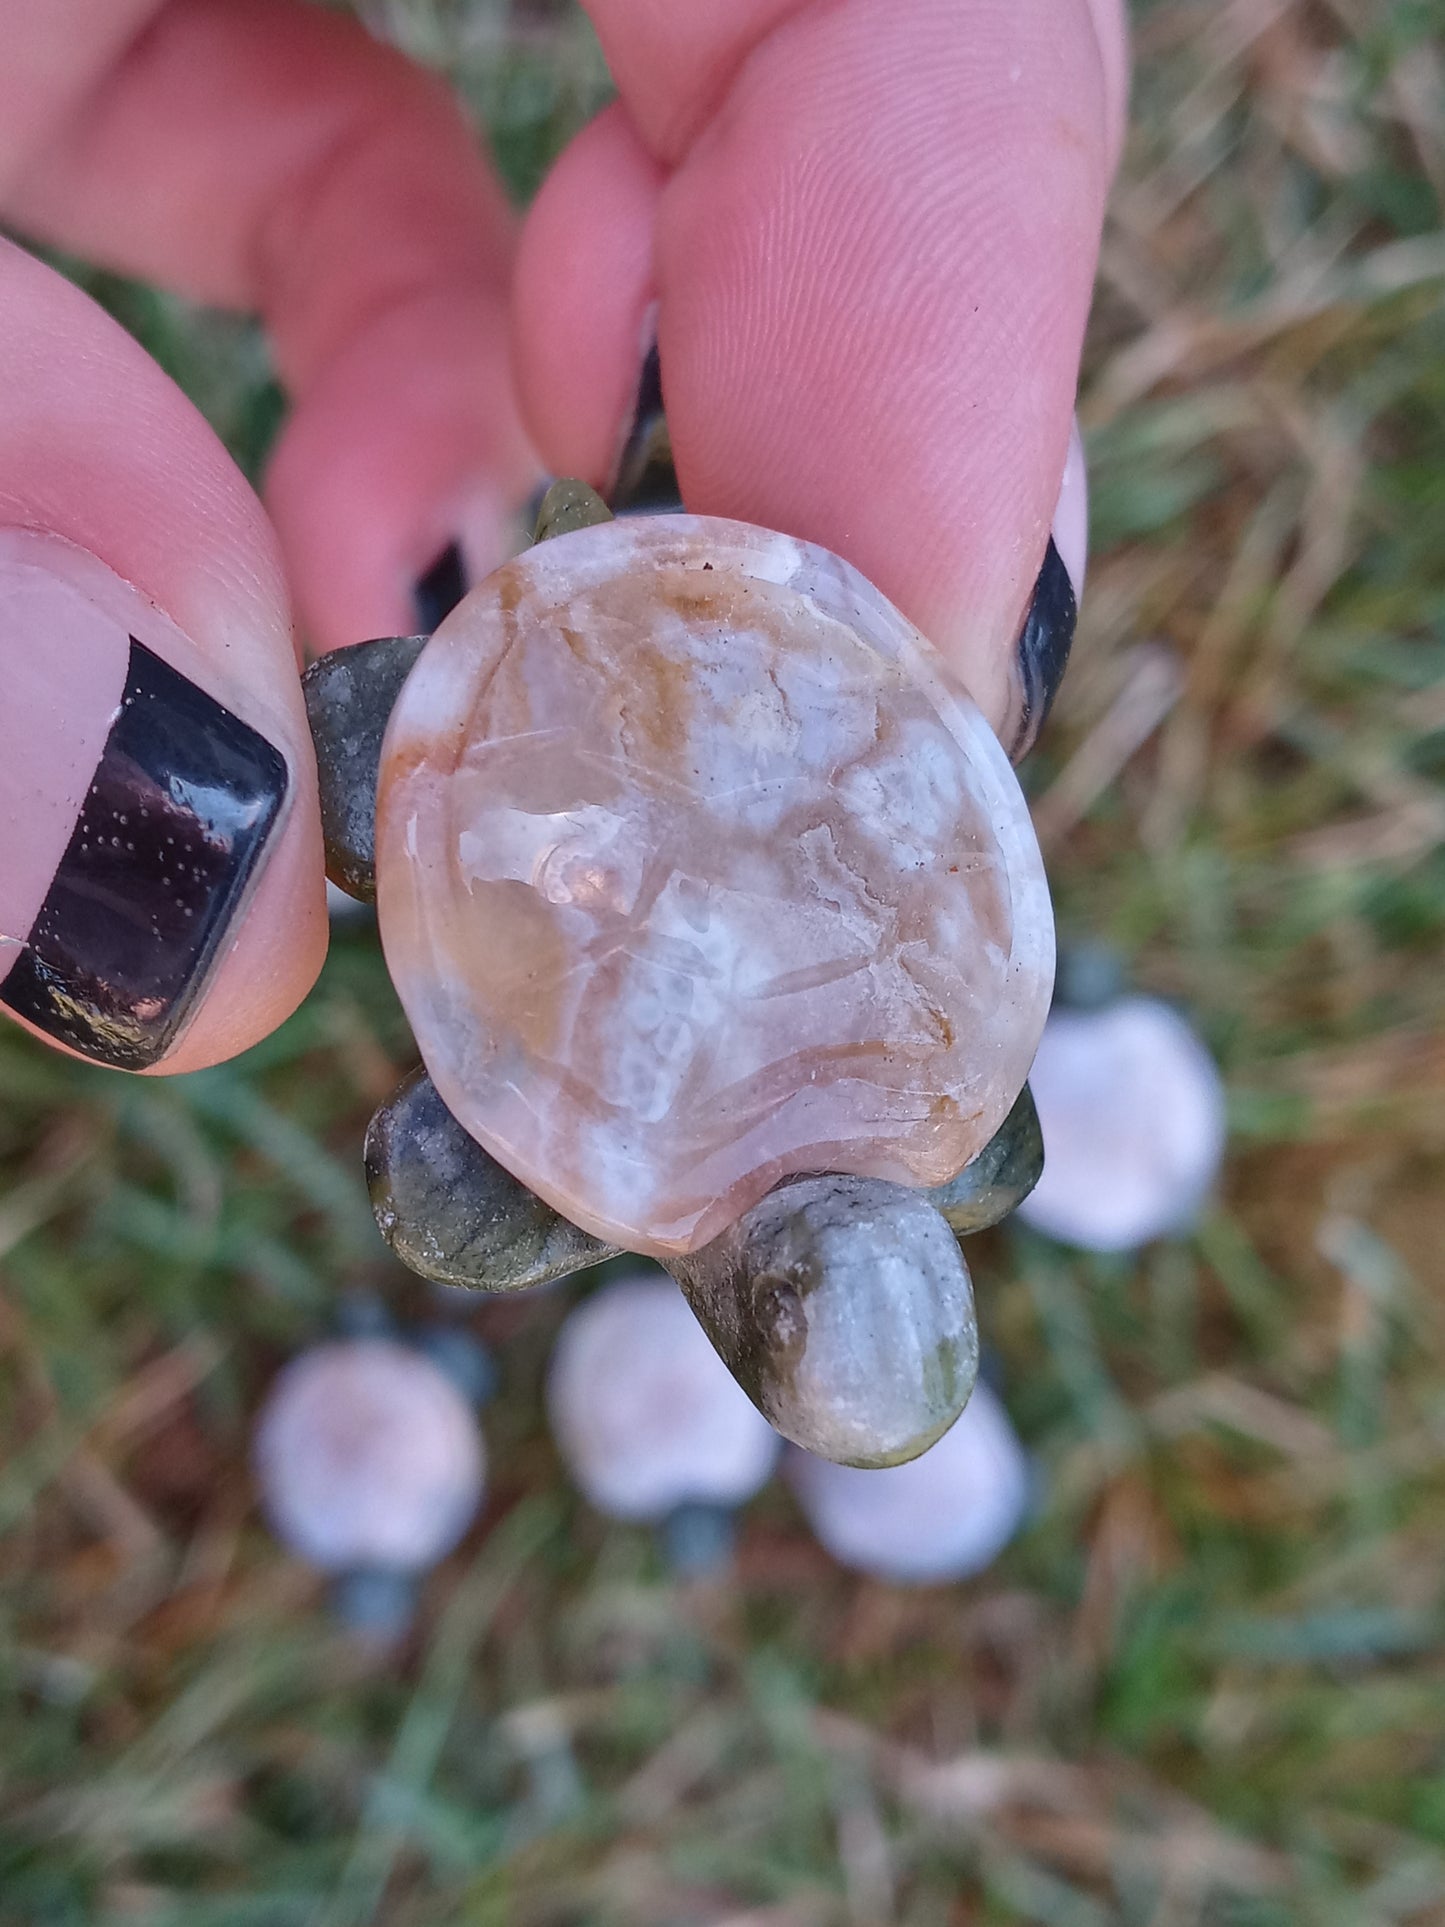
x=1048, y=631
x=646, y=481
x=1043, y=648
x=439, y=588
x=136, y=808
x=1071, y=512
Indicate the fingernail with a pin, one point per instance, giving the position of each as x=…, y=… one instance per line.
x=1043, y=649
x=1071, y=516
x=439, y=588
x=645, y=481
x=1048, y=631
x=137, y=805
x=349, y=696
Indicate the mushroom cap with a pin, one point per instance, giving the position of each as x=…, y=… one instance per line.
x=943, y=1516
x=368, y=1456
x=645, y=1413
x=1131, y=1106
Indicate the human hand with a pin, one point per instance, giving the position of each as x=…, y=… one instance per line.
x=866, y=233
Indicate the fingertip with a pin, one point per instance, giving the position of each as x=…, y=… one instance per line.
x=160, y=868
x=583, y=297
x=405, y=443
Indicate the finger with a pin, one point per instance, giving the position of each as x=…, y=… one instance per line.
x=674, y=64
x=160, y=870
x=870, y=239
x=1071, y=513
x=267, y=155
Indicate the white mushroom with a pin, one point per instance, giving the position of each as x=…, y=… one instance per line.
x=368, y=1458
x=941, y=1517
x=645, y=1413
x=1132, y=1111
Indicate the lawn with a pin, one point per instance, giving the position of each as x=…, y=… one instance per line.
x=1207, y=1685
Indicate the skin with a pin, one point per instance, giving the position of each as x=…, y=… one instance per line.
x=866, y=231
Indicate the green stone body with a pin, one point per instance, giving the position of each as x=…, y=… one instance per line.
x=451, y=1213
x=566, y=506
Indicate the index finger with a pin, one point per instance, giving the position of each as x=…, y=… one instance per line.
x=869, y=240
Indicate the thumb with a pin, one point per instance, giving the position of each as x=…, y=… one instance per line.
x=161, y=897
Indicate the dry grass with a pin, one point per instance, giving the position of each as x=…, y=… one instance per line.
x=1207, y=1685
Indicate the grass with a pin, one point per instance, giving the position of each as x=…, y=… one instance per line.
x=1208, y=1685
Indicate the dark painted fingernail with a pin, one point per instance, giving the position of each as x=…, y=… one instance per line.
x=1043, y=648
x=439, y=588
x=646, y=481
x=138, y=808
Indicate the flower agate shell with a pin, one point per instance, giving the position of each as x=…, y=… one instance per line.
x=696, y=869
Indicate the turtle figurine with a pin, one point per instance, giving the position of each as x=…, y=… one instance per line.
x=717, y=913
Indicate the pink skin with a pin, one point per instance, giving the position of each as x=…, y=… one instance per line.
x=43, y=779
x=868, y=226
